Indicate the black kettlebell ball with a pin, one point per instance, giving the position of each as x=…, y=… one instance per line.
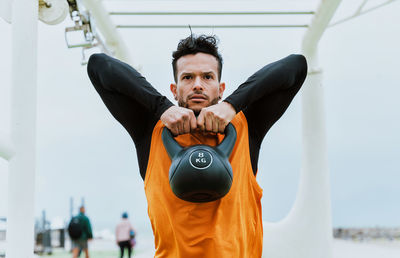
x=200, y=173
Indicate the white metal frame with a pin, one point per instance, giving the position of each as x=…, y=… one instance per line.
x=107, y=28
x=306, y=232
x=360, y=11
x=21, y=179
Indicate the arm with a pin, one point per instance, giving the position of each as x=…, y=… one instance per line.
x=89, y=229
x=127, y=94
x=132, y=229
x=130, y=99
x=266, y=95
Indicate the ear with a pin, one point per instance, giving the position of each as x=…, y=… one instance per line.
x=173, y=89
x=221, y=89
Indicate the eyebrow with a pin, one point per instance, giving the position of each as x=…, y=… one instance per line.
x=210, y=72
x=203, y=73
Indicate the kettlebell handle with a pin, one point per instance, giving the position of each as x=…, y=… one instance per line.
x=225, y=147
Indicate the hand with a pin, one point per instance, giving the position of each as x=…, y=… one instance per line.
x=179, y=120
x=216, y=117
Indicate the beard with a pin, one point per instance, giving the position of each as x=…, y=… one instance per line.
x=184, y=103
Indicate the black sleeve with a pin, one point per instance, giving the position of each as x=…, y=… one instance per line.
x=266, y=95
x=130, y=99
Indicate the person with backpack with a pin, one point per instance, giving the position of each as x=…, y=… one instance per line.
x=80, y=231
x=125, y=235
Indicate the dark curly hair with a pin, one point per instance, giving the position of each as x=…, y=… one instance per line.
x=195, y=44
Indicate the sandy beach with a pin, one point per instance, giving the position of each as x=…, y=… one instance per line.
x=368, y=249
x=101, y=248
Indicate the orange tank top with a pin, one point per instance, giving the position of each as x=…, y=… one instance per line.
x=229, y=227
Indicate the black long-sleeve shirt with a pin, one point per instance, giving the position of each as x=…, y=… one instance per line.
x=263, y=98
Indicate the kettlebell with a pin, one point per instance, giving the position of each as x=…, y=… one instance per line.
x=200, y=173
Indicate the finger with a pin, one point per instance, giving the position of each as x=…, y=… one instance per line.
x=221, y=126
x=179, y=128
x=208, y=123
x=185, y=124
x=174, y=130
x=184, y=127
x=215, y=125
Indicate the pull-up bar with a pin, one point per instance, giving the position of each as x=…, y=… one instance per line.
x=210, y=26
x=200, y=13
x=212, y=13
x=360, y=11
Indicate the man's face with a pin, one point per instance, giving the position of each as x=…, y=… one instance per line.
x=197, y=83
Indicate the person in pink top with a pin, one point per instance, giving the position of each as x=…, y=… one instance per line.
x=125, y=235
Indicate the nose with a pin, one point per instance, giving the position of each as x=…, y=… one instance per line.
x=198, y=86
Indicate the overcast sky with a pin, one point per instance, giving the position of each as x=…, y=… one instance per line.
x=83, y=152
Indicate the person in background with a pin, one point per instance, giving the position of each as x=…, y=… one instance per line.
x=125, y=234
x=81, y=244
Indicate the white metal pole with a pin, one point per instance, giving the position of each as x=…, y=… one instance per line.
x=314, y=202
x=20, y=217
x=108, y=29
x=307, y=230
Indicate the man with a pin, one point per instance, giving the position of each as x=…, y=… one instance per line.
x=86, y=234
x=232, y=225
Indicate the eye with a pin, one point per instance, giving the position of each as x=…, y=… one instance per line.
x=187, y=77
x=208, y=76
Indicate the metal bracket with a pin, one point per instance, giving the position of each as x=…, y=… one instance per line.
x=87, y=34
x=83, y=23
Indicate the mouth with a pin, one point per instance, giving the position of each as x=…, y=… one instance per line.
x=198, y=98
